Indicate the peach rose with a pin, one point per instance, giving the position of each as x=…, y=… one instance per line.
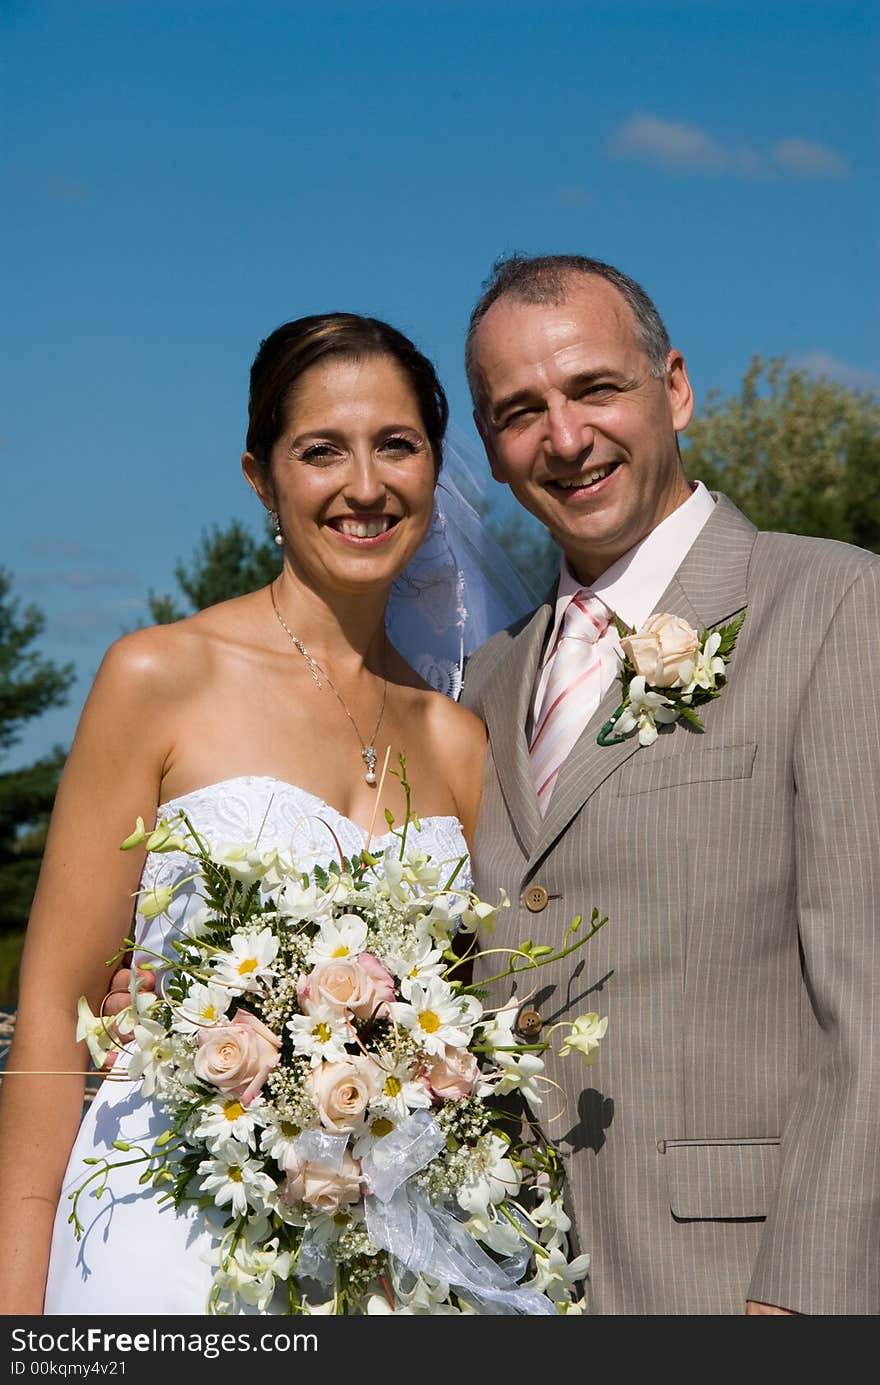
x=343, y=1091
x=378, y=988
x=322, y=1188
x=453, y=1076
x=663, y=651
x=237, y=1057
x=361, y=985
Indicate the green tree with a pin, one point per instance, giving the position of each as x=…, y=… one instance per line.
x=29, y=685
x=797, y=453
x=530, y=549
x=228, y=562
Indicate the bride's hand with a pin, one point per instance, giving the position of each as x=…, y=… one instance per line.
x=118, y=999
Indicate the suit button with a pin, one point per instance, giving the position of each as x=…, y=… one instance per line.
x=535, y=899
x=528, y=1022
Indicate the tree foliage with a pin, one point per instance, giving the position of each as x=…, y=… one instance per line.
x=228, y=562
x=29, y=685
x=796, y=453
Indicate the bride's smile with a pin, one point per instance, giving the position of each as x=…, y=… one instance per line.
x=351, y=475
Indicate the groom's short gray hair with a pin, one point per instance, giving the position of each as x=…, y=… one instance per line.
x=546, y=279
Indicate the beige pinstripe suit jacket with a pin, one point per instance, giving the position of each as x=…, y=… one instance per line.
x=726, y=1144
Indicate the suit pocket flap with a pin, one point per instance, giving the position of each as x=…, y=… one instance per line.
x=721, y=1179
x=690, y=765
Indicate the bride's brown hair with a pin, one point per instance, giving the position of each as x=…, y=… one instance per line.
x=291, y=349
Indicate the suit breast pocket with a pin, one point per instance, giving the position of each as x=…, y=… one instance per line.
x=721, y=1180
x=693, y=764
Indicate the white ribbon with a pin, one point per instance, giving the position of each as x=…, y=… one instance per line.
x=427, y=1239
x=401, y=1153
x=320, y=1147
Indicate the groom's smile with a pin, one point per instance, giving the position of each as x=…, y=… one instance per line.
x=577, y=420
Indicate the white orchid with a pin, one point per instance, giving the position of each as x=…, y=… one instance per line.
x=251, y=1270
x=96, y=1031
x=499, y=1180
x=555, y=1275
x=480, y=916
x=301, y=902
x=154, y=901
x=520, y=1067
x=708, y=665
x=153, y=1055
x=416, y=874
x=164, y=838
x=550, y=1217
x=584, y=1036
x=644, y=711
x=243, y=862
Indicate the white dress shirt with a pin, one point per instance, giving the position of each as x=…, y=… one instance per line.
x=630, y=587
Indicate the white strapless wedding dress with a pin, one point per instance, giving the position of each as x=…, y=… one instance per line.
x=136, y=1257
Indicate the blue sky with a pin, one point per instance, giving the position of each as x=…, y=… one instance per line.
x=179, y=178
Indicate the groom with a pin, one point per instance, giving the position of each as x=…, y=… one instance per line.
x=724, y=1150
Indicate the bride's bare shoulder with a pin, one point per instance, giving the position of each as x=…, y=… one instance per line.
x=159, y=658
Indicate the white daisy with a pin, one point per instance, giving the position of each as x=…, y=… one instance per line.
x=203, y=1006
x=418, y=960
x=436, y=1016
x=248, y=962
x=400, y=1091
x=339, y=938
x=319, y=1036
x=232, y=1177
x=227, y=1119
x=278, y=1138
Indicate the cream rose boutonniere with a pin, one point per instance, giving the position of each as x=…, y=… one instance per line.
x=668, y=669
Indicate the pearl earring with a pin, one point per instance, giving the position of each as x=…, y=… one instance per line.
x=279, y=537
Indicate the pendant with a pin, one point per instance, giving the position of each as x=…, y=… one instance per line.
x=368, y=755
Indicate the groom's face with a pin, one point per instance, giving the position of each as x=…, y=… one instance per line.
x=578, y=424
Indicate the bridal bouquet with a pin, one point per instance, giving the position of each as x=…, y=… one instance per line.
x=331, y=1082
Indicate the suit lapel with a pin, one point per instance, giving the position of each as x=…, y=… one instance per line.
x=505, y=705
x=710, y=586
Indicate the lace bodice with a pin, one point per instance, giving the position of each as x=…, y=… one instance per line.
x=256, y=807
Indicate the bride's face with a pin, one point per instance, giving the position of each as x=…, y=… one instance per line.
x=352, y=474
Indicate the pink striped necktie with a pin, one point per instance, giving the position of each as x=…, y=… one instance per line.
x=573, y=690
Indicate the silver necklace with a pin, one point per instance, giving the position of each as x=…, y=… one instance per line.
x=368, y=750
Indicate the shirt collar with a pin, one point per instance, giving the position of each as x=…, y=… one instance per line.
x=632, y=586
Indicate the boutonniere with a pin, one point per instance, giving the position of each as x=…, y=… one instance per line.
x=668, y=669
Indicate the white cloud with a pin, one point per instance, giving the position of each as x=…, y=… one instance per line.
x=808, y=159
x=668, y=143
x=854, y=377
x=684, y=148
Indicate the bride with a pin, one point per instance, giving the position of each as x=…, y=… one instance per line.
x=269, y=713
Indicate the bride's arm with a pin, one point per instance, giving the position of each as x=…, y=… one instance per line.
x=462, y=747
x=82, y=910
